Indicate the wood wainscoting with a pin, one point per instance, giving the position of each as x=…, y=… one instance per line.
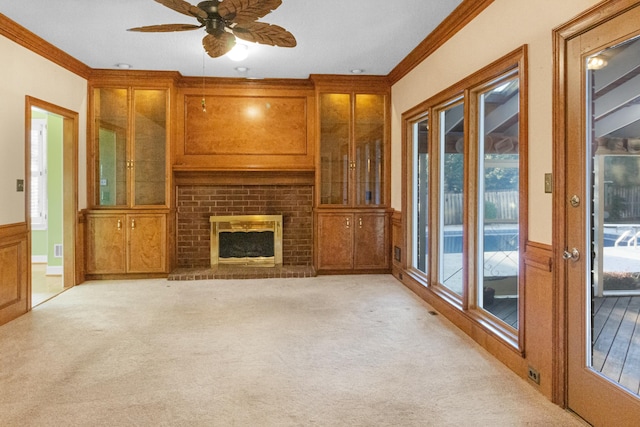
x=539, y=300
x=15, y=298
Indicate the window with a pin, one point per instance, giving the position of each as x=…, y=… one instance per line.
x=466, y=197
x=420, y=250
x=451, y=226
x=498, y=196
x=38, y=202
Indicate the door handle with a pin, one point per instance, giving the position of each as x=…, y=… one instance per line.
x=574, y=255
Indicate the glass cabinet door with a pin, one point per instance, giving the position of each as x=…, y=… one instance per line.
x=150, y=139
x=369, y=149
x=111, y=130
x=352, y=147
x=335, y=113
x=130, y=147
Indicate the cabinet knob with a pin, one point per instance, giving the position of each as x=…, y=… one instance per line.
x=133, y=224
x=360, y=222
x=119, y=225
x=347, y=222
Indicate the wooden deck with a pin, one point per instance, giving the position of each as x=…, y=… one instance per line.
x=616, y=340
x=616, y=336
x=505, y=309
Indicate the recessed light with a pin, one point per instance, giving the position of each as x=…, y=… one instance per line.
x=123, y=66
x=241, y=69
x=357, y=71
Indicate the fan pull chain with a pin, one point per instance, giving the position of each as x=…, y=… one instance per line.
x=203, y=102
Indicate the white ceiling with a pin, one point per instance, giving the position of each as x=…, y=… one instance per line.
x=334, y=36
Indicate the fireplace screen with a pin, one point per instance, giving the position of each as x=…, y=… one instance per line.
x=254, y=240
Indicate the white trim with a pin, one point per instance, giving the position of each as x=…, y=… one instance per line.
x=54, y=271
x=39, y=259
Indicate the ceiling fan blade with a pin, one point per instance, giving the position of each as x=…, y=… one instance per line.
x=184, y=7
x=164, y=28
x=218, y=45
x=243, y=11
x=260, y=32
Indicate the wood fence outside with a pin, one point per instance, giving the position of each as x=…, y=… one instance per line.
x=500, y=206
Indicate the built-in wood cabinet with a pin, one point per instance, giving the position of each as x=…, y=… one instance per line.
x=352, y=240
x=352, y=174
x=120, y=242
x=129, y=174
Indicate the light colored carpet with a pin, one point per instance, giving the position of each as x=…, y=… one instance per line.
x=324, y=351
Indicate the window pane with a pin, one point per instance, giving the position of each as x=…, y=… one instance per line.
x=421, y=195
x=38, y=182
x=451, y=197
x=613, y=246
x=498, y=157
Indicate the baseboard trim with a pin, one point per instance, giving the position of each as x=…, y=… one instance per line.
x=54, y=270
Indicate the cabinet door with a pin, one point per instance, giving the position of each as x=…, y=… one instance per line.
x=335, y=241
x=147, y=248
x=371, y=241
x=105, y=252
x=149, y=158
x=111, y=132
x=335, y=152
x=369, y=160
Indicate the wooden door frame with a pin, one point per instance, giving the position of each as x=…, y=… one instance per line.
x=591, y=18
x=70, y=132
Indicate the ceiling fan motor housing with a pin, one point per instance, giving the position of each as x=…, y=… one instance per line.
x=211, y=7
x=214, y=23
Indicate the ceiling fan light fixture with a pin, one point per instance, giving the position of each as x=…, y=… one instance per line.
x=357, y=71
x=239, y=52
x=123, y=66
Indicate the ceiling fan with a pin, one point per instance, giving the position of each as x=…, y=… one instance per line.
x=224, y=20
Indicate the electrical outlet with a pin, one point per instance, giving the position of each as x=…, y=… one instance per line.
x=533, y=375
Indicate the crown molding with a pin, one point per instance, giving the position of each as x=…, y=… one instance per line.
x=38, y=45
x=461, y=16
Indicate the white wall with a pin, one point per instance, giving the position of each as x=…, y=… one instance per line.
x=498, y=30
x=23, y=73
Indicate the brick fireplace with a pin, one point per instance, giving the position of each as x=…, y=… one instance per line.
x=197, y=200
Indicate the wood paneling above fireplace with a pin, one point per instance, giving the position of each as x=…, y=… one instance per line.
x=235, y=125
x=245, y=127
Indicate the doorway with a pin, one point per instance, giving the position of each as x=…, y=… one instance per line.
x=598, y=238
x=52, y=198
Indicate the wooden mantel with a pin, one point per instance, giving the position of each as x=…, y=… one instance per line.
x=243, y=177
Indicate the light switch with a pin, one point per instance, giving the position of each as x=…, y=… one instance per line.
x=20, y=185
x=548, y=183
